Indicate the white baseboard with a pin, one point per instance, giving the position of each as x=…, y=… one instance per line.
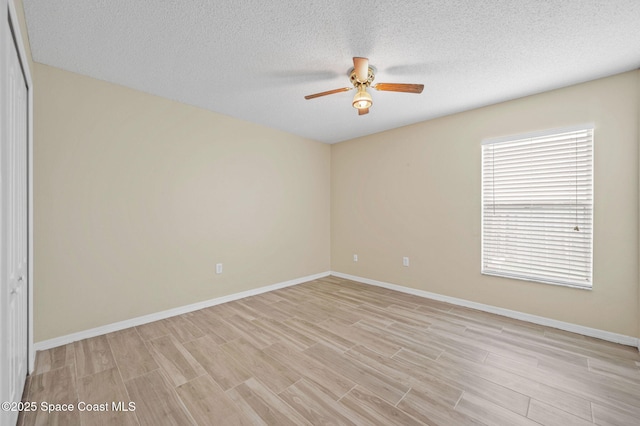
x=574, y=328
x=121, y=325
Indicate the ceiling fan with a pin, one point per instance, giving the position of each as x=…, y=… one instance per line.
x=361, y=76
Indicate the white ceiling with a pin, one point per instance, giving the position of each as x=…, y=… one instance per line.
x=256, y=59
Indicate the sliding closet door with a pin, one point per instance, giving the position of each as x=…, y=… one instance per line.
x=14, y=173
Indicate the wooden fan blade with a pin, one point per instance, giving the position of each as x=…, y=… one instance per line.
x=329, y=92
x=361, y=66
x=363, y=111
x=399, y=87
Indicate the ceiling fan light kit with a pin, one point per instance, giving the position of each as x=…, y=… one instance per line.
x=361, y=77
x=362, y=99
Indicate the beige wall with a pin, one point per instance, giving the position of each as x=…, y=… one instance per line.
x=138, y=197
x=415, y=191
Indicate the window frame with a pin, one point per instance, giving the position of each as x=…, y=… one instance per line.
x=531, y=135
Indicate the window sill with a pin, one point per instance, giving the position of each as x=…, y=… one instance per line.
x=521, y=278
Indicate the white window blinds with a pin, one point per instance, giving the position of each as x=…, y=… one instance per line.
x=537, y=207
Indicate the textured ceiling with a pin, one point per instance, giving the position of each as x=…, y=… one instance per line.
x=255, y=60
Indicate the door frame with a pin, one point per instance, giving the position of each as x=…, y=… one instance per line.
x=8, y=13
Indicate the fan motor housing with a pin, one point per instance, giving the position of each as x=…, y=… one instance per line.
x=371, y=74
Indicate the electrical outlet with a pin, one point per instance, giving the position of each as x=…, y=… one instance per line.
x=218, y=268
x=405, y=261
x=355, y=257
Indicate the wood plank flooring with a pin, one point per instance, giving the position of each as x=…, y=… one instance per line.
x=334, y=351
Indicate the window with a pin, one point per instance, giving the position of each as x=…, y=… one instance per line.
x=537, y=206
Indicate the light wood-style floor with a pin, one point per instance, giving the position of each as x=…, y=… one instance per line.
x=333, y=351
